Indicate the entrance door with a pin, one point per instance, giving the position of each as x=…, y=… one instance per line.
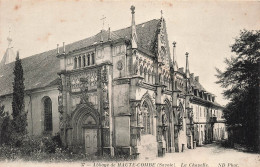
x=91, y=141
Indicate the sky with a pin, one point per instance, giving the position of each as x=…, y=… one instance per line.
x=205, y=29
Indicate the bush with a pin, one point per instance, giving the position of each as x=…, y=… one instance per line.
x=33, y=148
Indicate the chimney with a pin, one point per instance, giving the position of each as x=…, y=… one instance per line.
x=63, y=47
x=187, y=71
x=58, y=51
x=197, y=78
x=133, y=29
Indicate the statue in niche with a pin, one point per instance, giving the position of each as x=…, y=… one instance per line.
x=180, y=119
x=136, y=66
x=106, y=119
x=164, y=117
x=139, y=116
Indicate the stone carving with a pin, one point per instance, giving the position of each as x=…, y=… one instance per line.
x=136, y=66
x=76, y=84
x=106, y=119
x=120, y=65
x=84, y=89
x=139, y=116
x=164, y=117
x=104, y=74
x=60, y=87
x=104, y=79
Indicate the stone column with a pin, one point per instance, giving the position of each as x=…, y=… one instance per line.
x=78, y=64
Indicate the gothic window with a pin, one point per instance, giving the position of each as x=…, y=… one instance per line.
x=93, y=58
x=47, y=114
x=75, y=63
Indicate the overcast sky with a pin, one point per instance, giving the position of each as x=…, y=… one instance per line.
x=204, y=29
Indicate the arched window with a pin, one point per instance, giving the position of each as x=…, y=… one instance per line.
x=79, y=62
x=47, y=104
x=147, y=122
x=75, y=63
x=84, y=61
x=88, y=59
x=93, y=58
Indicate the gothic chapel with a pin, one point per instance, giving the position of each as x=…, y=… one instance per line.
x=118, y=92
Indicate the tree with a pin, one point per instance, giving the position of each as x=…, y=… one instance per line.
x=5, y=126
x=241, y=82
x=19, y=122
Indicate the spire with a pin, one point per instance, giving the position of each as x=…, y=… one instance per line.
x=133, y=29
x=187, y=71
x=9, y=55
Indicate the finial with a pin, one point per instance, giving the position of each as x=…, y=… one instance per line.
x=187, y=54
x=132, y=9
x=101, y=36
x=161, y=14
x=103, y=20
x=9, y=39
x=58, y=51
x=63, y=47
x=109, y=34
x=174, y=44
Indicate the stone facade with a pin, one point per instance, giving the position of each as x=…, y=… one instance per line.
x=124, y=95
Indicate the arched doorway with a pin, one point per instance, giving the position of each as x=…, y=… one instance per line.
x=86, y=129
x=90, y=135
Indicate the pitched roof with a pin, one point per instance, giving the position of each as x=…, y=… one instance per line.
x=41, y=70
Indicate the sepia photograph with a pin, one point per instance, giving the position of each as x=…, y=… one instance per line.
x=117, y=83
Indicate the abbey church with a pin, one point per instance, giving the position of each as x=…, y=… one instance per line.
x=117, y=92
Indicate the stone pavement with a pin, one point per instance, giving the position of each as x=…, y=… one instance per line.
x=211, y=155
